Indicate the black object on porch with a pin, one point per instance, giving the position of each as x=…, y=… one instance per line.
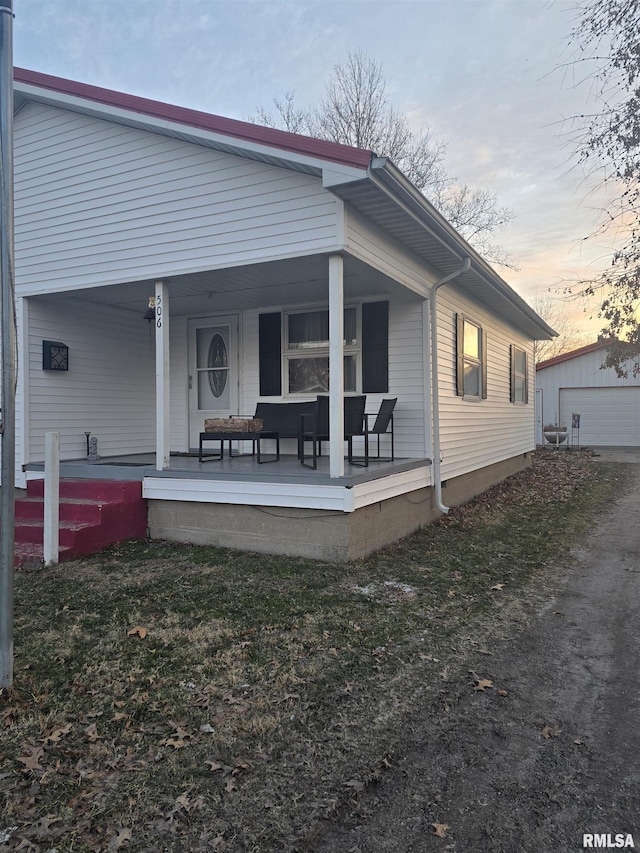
x=315, y=428
x=383, y=425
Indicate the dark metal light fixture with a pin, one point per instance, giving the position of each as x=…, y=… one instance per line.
x=55, y=356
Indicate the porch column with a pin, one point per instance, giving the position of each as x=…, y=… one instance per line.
x=162, y=376
x=336, y=366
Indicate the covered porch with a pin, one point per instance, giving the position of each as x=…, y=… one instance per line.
x=272, y=508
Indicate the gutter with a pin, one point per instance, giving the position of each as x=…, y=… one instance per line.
x=389, y=179
x=435, y=405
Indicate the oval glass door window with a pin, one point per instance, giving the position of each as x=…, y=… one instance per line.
x=218, y=359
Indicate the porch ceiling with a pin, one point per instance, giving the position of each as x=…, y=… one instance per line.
x=285, y=282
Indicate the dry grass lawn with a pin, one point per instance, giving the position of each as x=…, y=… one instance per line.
x=174, y=698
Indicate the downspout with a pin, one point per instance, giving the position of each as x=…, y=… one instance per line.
x=435, y=405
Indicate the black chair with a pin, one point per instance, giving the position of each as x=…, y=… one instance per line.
x=383, y=420
x=315, y=428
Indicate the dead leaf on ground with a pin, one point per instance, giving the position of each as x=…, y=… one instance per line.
x=550, y=731
x=123, y=834
x=138, y=631
x=502, y=692
x=355, y=784
x=31, y=758
x=56, y=734
x=176, y=743
x=92, y=733
x=229, y=785
x=483, y=683
x=498, y=586
x=440, y=829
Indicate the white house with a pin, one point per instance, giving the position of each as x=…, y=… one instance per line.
x=297, y=258
x=576, y=382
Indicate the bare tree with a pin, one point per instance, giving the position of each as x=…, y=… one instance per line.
x=356, y=110
x=554, y=313
x=606, y=39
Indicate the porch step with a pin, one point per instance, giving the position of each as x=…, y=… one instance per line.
x=93, y=515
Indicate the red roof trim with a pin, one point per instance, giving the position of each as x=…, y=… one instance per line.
x=566, y=356
x=242, y=130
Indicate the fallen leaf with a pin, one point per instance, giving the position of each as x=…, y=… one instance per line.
x=123, y=834
x=483, y=683
x=138, y=631
x=180, y=732
x=31, y=758
x=92, y=733
x=356, y=784
x=501, y=692
x=579, y=742
x=214, y=766
x=440, y=829
x=176, y=743
x=498, y=586
x=550, y=731
x=451, y=593
x=56, y=734
x=229, y=785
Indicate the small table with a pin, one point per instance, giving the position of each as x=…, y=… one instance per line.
x=253, y=437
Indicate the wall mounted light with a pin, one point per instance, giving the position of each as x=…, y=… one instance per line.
x=55, y=356
x=150, y=313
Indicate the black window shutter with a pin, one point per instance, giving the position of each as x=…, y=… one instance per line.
x=512, y=363
x=270, y=354
x=375, y=347
x=485, y=366
x=459, y=355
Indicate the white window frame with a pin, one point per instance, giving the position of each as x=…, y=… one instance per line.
x=288, y=354
x=519, y=377
x=463, y=358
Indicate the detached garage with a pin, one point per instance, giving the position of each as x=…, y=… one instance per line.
x=609, y=407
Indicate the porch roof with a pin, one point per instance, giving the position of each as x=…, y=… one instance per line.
x=370, y=184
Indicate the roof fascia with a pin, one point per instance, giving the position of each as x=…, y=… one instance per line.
x=223, y=141
x=390, y=179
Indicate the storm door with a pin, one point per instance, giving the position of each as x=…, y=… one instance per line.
x=213, y=372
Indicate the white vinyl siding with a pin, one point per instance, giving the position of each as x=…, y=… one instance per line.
x=109, y=389
x=378, y=249
x=98, y=203
x=406, y=380
x=475, y=433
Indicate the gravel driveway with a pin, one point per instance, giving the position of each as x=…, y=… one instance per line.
x=551, y=751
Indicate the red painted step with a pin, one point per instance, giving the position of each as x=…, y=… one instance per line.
x=93, y=515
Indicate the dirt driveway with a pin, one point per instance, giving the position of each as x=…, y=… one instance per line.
x=550, y=751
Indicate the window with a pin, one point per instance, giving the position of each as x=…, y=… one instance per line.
x=294, y=350
x=471, y=351
x=519, y=390
x=306, y=351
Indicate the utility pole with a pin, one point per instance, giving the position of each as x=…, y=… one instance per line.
x=8, y=347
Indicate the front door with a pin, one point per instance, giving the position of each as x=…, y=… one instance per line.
x=213, y=372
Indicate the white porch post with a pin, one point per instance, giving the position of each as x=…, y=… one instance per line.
x=162, y=376
x=336, y=366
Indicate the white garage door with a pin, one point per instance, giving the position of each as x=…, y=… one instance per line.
x=608, y=416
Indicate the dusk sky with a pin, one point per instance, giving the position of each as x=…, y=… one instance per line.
x=484, y=75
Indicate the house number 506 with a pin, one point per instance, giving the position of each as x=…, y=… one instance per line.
x=158, y=312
